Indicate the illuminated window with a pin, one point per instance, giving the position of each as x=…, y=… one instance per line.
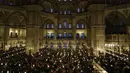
x=77, y=36
x=52, y=26
x=47, y=35
x=10, y=3
x=47, y=26
x=77, y=26
x=70, y=26
x=82, y=26
x=82, y=9
x=65, y=24
x=52, y=35
x=59, y=36
x=65, y=35
x=16, y=35
x=60, y=26
x=69, y=35
x=51, y=10
x=78, y=10
x=13, y=33
x=82, y=35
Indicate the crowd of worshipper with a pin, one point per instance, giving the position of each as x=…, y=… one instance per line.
x=113, y=63
x=61, y=60
x=14, y=60
x=47, y=60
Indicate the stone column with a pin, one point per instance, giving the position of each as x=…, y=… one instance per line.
x=74, y=29
x=128, y=29
x=55, y=30
x=97, y=27
x=32, y=38
x=6, y=36
x=3, y=35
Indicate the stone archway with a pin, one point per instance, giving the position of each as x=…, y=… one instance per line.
x=16, y=29
x=117, y=20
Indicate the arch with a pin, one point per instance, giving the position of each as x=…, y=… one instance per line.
x=47, y=21
x=83, y=4
x=81, y=23
x=22, y=14
x=110, y=16
x=47, y=6
x=20, y=17
x=128, y=20
x=115, y=21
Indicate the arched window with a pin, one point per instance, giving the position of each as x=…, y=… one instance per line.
x=52, y=35
x=69, y=35
x=47, y=25
x=82, y=35
x=78, y=10
x=13, y=33
x=70, y=26
x=47, y=35
x=117, y=26
x=82, y=26
x=10, y=3
x=59, y=36
x=82, y=9
x=77, y=26
x=51, y=10
x=65, y=35
x=52, y=26
x=65, y=24
x=60, y=26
